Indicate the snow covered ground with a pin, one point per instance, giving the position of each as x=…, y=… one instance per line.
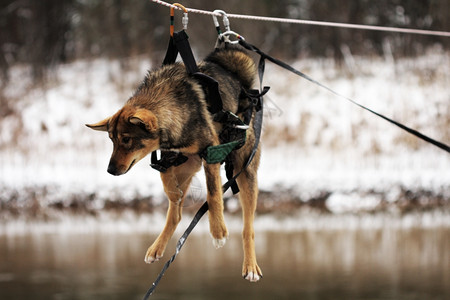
x=313, y=142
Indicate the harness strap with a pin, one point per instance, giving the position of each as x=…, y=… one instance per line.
x=212, y=86
x=179, y=44
x=303, y=75
x=168, y=159
x=171, y=53
x=182, y=44
x=257, y=128
x=202, y=210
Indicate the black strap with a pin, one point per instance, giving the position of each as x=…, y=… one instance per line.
x=291, y=69
x=181, y=44
x=257, y=128
x=167, y=160
x=213, y=95
x=181, y=41
x=229, y=171
x=171, y=53
x=203, y=209
x=257, y=101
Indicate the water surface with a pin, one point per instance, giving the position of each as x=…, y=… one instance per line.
x=321, y=264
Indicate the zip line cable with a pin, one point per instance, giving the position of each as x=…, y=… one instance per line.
x=308, y=22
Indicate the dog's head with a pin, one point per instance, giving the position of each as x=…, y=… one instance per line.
x=134, y=133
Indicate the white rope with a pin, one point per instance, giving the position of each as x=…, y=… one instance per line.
x=316, y=23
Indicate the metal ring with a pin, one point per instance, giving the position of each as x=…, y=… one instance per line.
x=225, y=36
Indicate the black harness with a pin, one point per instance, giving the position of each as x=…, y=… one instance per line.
x=233, y=134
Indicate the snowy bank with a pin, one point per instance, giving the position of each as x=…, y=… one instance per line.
x=313, y=142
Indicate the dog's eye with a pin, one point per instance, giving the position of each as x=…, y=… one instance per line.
x=126, y=140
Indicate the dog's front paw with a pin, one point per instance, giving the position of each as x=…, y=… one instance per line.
x=219, y=234
x=151, y=259
x=252, y=273
x=219, y=243
x=252, y=277
x=153, y=254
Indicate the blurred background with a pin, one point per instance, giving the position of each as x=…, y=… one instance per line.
x=350, y=207
x=45, y=33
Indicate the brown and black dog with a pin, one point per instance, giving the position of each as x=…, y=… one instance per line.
x=169, y=111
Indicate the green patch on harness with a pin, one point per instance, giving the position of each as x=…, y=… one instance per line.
x=232, y=137
x=217, y=154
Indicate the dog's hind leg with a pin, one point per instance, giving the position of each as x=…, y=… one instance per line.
x=214, y=198
x=248, y=196
x=176, y=181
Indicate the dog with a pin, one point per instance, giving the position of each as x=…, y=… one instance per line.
x=169, y=111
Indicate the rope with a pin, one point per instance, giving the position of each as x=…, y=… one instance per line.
x=308, y=22
x=303, y=75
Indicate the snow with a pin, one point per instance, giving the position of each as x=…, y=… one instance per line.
x=338, y=146
x=313, y=141
x=339, y=203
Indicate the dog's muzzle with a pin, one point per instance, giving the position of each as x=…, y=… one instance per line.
x=117, y=170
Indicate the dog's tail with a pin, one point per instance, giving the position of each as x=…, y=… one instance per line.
x=237, y=62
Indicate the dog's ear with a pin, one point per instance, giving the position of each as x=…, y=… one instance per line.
x=145, y=119
x=100, y=126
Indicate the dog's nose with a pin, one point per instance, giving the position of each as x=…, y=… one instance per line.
x=112, y=169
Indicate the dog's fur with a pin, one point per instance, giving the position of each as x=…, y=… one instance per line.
x=169, y=111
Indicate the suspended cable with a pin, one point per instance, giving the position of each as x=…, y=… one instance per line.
x=315, y=23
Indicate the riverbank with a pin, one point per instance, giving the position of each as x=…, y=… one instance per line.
x=320, y=154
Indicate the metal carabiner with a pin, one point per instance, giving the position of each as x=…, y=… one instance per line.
x=184, y=21
x=225, y=21
x=226, y=37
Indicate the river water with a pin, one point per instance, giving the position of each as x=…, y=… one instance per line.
x=381, y=263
